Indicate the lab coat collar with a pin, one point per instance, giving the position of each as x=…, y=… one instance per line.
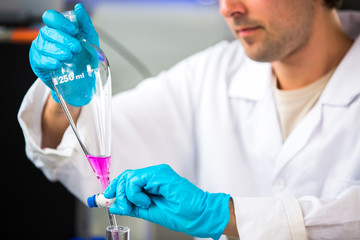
x=252, y=80
x=344, y=85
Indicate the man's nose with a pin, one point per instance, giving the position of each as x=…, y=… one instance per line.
x=232, y=8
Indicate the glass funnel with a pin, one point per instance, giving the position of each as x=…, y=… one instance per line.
x=85, y=81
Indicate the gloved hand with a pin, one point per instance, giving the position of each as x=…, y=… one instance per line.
x=57, y=42
x=158, y=194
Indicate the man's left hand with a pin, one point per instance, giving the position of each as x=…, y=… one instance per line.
x=158, y=194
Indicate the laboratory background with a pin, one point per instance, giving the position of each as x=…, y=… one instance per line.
x=140, y=38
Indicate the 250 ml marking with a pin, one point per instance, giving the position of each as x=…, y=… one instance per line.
x=66, y=78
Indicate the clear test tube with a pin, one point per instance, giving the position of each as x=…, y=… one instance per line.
x=117, y=233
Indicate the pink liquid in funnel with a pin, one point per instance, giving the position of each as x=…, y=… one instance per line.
x=101, y=168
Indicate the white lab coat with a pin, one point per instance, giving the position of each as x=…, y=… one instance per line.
x=212, y=118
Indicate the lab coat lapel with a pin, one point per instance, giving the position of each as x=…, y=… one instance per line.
x=342, y=88
x=262, y=132
x=345, y=83
x=298, y=138
x=252, y=83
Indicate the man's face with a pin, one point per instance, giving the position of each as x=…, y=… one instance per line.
x=269, y=30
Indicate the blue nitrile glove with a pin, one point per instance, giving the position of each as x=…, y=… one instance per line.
x=159, y=195
x=57, y=42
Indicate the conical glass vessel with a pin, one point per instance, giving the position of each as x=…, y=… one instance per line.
x=85, y=81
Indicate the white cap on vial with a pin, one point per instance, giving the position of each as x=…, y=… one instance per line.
x=99, y=200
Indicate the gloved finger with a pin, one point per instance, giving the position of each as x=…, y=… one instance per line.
x=85, y=24
x=60, y=38
x=122, y=205
x=41, y=65
x=164, y=181
x=135, y=183
x=56, y=20
x=40, y=61
x=139, y=212
x=54, y=96
x=110, y=191
x=153, y=213
x=50, y=49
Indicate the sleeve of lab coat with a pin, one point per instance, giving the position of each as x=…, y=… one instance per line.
x=305, y=218
x=66, y=163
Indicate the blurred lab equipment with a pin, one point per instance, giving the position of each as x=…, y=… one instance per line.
x=122, y=232
x=25, y=13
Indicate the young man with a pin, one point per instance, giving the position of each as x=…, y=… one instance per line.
x=272, y=121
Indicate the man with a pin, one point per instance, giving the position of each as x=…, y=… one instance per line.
x=273, y=121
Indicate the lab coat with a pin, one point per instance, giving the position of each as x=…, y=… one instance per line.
x=212, y=118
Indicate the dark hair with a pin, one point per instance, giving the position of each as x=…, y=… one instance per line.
x=333, y=3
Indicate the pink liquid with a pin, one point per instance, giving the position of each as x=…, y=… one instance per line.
x=101, y=168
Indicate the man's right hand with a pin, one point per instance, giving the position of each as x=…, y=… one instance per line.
x=56, y=41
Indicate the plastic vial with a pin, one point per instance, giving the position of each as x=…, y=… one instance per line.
x=99, y=200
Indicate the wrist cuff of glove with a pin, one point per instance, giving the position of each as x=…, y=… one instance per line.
x=216, y=215
x=53, y=95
